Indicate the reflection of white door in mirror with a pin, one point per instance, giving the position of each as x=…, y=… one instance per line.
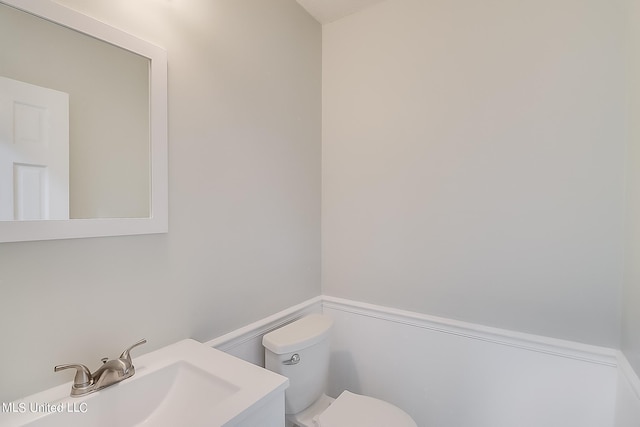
x=34, y=152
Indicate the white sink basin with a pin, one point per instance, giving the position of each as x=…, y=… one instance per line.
x=186, y=384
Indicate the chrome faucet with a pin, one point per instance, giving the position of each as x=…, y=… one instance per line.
x=111, y=372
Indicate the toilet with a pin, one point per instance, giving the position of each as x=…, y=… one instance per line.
x=300, y=352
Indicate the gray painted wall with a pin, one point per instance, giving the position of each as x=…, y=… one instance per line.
x=473, y=162
x=631, y=294
x=244, y=239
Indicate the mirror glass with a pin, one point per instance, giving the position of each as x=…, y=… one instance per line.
x=107, y=141
x=82, y=126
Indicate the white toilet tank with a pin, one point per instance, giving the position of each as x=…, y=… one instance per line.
x=308, y=338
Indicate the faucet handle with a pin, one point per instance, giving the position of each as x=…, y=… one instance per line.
x=125, y=354
x=83, y=375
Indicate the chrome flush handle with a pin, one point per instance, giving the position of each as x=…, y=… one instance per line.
x=295, y=359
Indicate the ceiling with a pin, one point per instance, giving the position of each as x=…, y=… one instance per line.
x=326, y=11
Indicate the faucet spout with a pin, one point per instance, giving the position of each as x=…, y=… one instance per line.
x=112, y=372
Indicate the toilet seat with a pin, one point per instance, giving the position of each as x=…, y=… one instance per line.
x=355, y=410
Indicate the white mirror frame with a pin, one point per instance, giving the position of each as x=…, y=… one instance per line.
x=19, y=231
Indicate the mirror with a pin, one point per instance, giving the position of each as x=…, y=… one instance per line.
x=69, y=81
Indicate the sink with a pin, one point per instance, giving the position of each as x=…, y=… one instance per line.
x=186, y=383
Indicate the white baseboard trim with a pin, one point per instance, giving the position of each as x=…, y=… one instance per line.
x=541, y=344
x=256, y=329
x=629, y=374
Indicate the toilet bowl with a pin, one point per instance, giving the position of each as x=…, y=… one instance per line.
x=300, y=351
x=354, y=410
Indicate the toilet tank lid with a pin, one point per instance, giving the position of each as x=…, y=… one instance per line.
x=298, y=335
